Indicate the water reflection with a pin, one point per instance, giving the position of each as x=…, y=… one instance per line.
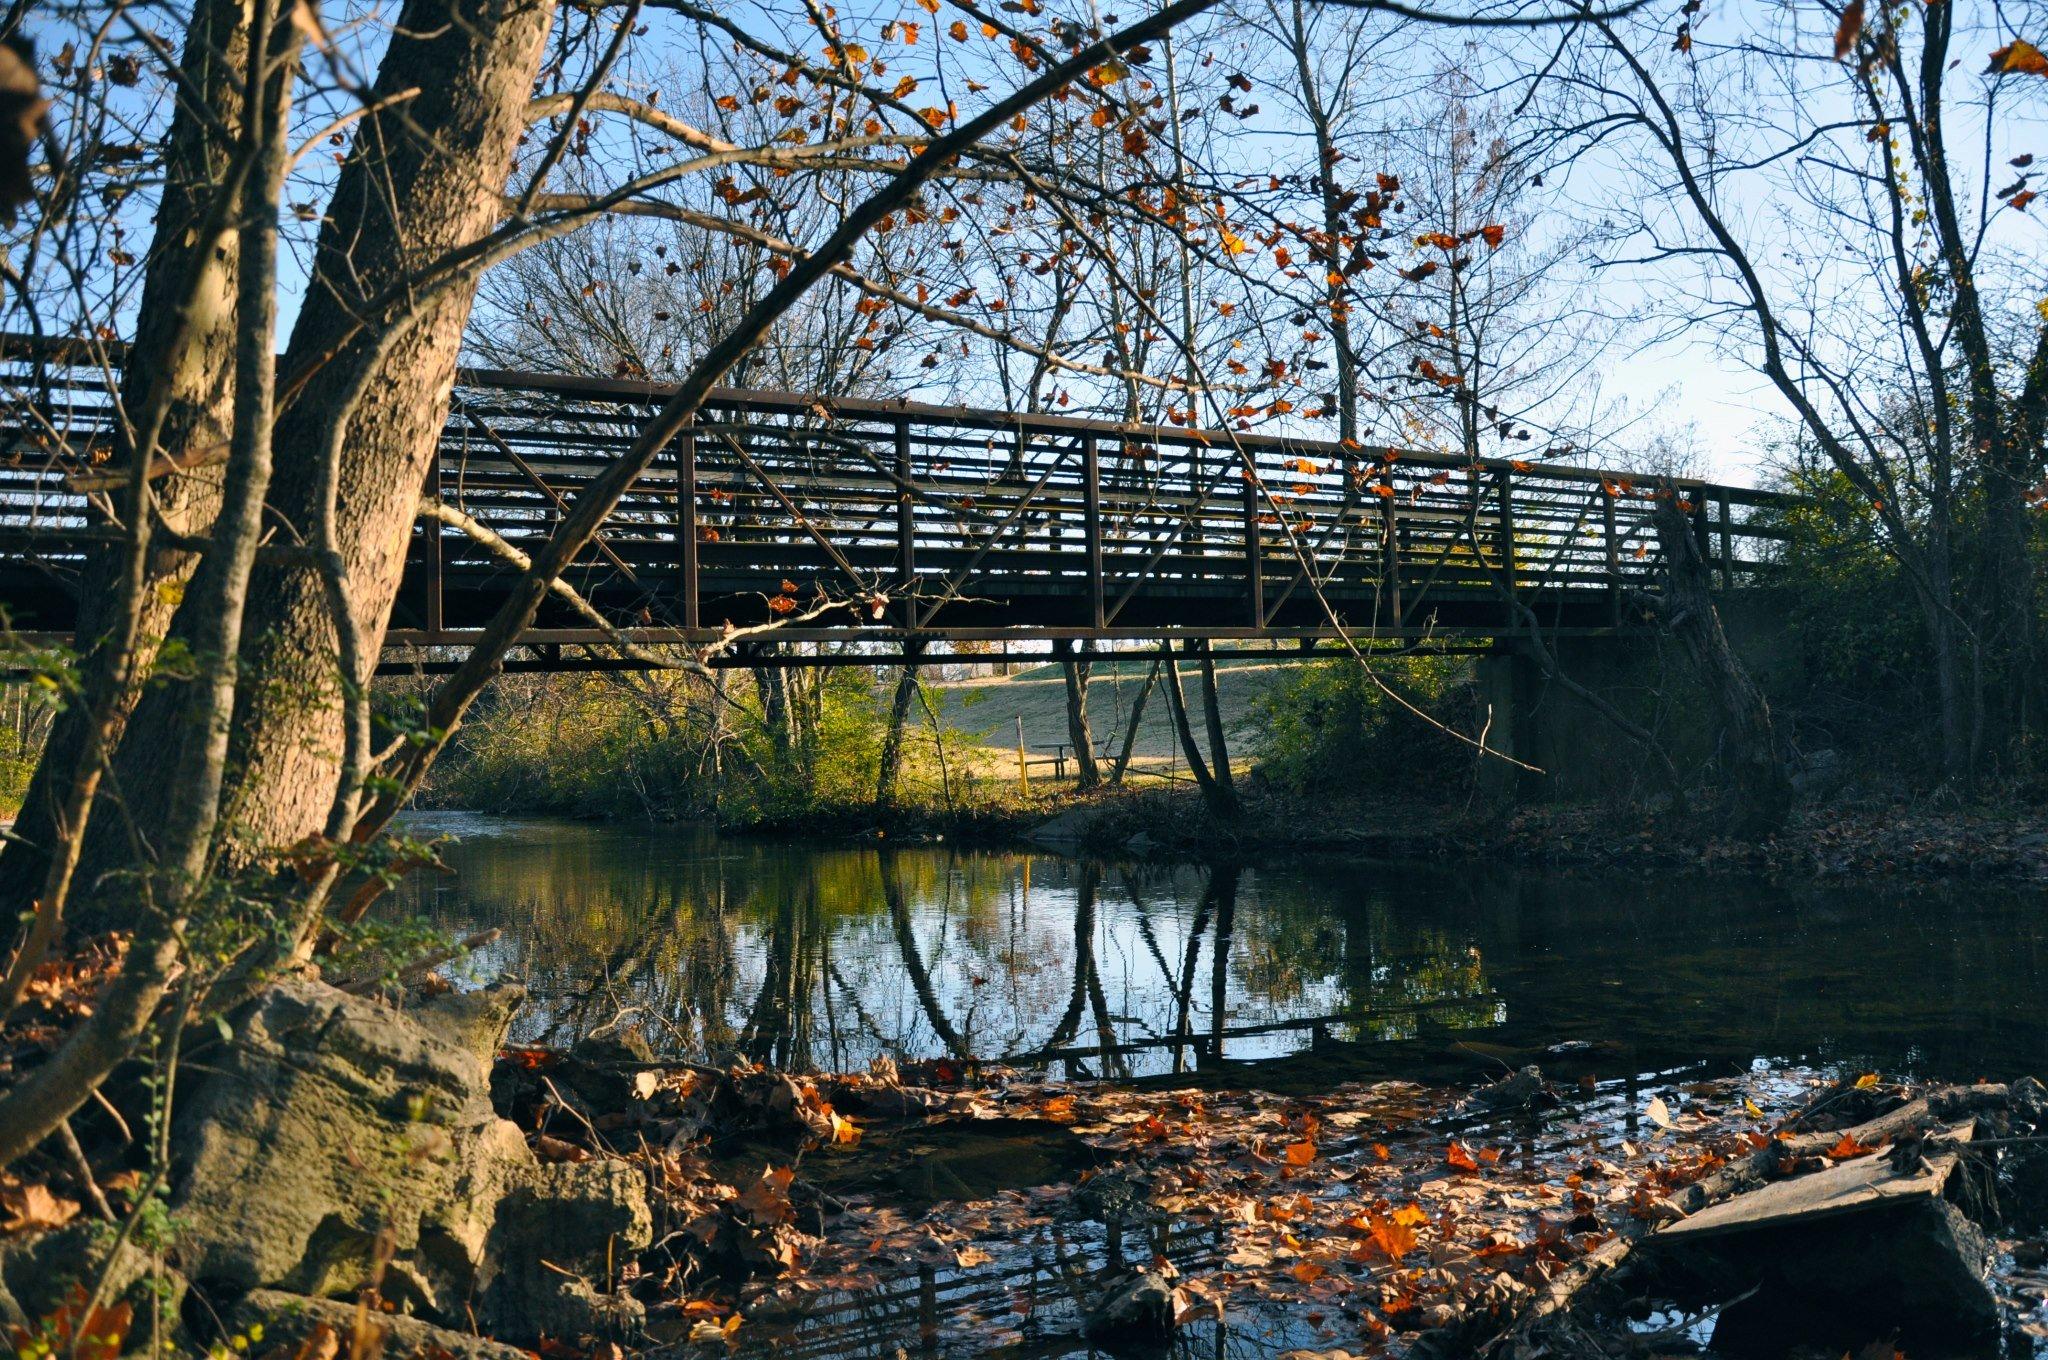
x=830, y=956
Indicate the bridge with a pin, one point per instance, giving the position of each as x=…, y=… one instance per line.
x=941, y=530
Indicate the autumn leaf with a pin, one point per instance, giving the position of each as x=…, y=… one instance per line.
x=1493, y=235
x=781, y=604
x=1460, y=1157
x=2018, y=57
x=1658, y=1113
x=1848, y=1147
x=958, y=32
x=1301, y=1153
x=1751, y=1108
x=1308, y=1272
x=1849, y=29
x=1867, y=1082
x=1410, y=1216
x=1394, y=1240
x=34, y=1207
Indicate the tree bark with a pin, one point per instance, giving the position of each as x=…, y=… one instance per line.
x=421, y=181
x=1075, y=672
x=1123, y=757
x=185, y=340
x=1759, y=788
x=1219, y=744
x=892, y=740
x=1222, y=802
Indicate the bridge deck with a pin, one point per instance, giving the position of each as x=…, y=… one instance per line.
x=946, y=525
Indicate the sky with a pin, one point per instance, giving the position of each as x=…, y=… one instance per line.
x=1692, y=386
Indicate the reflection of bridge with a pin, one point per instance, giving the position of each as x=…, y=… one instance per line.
x=950, y=526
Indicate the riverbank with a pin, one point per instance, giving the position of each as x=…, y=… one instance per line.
x=595, y=1201
x=2007, y=841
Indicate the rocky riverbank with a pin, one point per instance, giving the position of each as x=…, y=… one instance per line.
x=365, y=1174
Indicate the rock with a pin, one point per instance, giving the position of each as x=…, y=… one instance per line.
x=1820, y=774
x=1914, y=1274
x=1517, y=1091
x=1140, y=1308
x=38, y=1272
x=1869, y=1249
x=288, y=1320
x=335, y=1130
x=581, y=1217
x=332, y=1119
x=1114, y=1198
x=1070, y=829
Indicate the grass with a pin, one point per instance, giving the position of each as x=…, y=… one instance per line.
x=988, y=709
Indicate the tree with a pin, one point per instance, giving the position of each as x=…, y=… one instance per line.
x=1846, y=246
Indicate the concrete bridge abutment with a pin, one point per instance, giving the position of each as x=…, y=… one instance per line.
x=1578, y=752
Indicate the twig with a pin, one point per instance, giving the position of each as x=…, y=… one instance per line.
x=84, y=1170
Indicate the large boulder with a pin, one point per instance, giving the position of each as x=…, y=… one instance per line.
x=269, y=1322
x=331, y=1121
x=339, y=1141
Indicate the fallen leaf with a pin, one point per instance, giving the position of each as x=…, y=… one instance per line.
x=1658, y=1113
x=34, y=1207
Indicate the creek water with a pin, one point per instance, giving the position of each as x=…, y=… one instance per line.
x=829, y=955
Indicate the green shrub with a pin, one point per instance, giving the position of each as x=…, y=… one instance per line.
x=1330, y=729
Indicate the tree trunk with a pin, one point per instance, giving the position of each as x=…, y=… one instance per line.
x=1123, y=757
x=196, y=278
x=1222, y=802
x=892, y=740
x=1075, y=672
x=1219, y=744
x=1759, y=788
x=421, y=181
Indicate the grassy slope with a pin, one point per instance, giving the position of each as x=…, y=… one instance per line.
x=991, y=706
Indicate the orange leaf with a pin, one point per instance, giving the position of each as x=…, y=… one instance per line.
x=1394, y=1240
x=1848, y=1147
x=1460, y=1157
x=1301, y=1154
x=1849, y=29
x=1308, y=1272
x=2018, y=56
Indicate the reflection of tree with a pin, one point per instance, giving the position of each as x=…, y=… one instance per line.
x=1084, y=962
x=835, y=954
x=913, y=960
x=779, y=1029
x=1223, y=889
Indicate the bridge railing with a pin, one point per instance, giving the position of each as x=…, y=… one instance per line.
x=942, y=520
x=954, y=513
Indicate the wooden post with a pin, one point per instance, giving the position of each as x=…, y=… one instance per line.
x=686, y=524
x=1727, y=543
x=1390, y=571
x=1091, y=503
x=906, y=526
x=434, y=564
x=1506, y=548
x=1254, y=559
x=1023, y=770
x=1613, y=555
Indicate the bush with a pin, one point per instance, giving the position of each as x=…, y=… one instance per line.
x=665, y=746
x=1329, y=729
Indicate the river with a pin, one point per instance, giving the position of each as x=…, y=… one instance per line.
x=831, y=954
